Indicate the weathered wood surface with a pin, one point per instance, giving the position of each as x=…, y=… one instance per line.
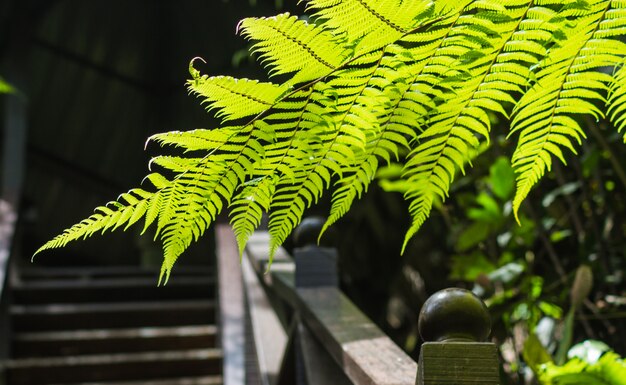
x=358, y=346
x=115, y=367
x=108, y=289
x=94, y=273
x=232, y=311
x=269, y=337
x=103, y=341
x=8, y=218
x=462, y=363
x=315, y=357
x=316, y=267
x=455, y=324
x=111, y=315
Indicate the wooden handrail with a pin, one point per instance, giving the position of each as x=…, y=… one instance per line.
x=8, y=219
x=331, y=341
x=362, y=351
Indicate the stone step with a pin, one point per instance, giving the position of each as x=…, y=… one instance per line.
x=114, y=367
x=52, y=317
x=101, y=341
x=112, y=289
x=206, y=380
x=103, y=272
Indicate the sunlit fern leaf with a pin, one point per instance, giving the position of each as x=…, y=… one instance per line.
x=288, y=45
x=235, y=98
x=128, y=209
x=401, y=109
x=461, y=120
x=367, y=81
x=248, y=206
x=568, y=83
x=370, y=24
x=194, y=200
x=617, y=99
x=343, y=139
x=196, y=140
x=5, y=88
x=393, y=134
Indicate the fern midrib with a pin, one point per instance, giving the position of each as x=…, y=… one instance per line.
x=381, y=17
x=247, y=96
x=526, y=183
x=343, y=66
x=304, y=47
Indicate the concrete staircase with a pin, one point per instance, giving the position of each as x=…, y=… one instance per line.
x=113, y=325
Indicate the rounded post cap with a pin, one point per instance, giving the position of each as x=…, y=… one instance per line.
x=308, y=231
x=454, y=315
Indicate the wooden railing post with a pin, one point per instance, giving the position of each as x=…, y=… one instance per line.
x=315, y=268
x=455, y=324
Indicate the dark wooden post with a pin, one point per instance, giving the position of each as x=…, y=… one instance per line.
x=455, y=324
x=315, y=267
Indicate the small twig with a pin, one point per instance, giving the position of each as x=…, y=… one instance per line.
x=602, y=317
x=586, y=325
x=573, y=206
x=547, y=244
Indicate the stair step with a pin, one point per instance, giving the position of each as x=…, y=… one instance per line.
x=207, y=380
x=64, y=343
x=109, y=289
x=111, y=315
x=114, y=367
x=103, y=272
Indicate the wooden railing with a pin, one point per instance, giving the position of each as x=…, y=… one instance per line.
x=8, y=218
x=297, y=327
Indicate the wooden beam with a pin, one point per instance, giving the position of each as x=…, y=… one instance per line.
x=269, y=337
x=8, y=217
x=231, y=306
x=358, y=346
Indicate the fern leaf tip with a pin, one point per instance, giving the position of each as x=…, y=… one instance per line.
x=195, y=74
x=164, y=276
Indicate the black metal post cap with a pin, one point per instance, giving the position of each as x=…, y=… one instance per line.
x=454, y=315
x=308, y=231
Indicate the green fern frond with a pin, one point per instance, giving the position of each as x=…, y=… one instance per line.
x=499, y=68
x=128, y=209
x=617, y=99
x=569, y=82
x=367, y=81
x=394, y=134
x=248, y=207
x=369, y=24
x=196, y=140
x=288, y=45
x=235, y=98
